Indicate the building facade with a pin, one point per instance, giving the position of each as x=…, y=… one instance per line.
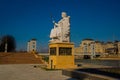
x=99, y=47
x=118, y=48
x=31, y=45
x=89, y=46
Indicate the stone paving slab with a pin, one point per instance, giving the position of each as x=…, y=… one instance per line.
x=28, y=72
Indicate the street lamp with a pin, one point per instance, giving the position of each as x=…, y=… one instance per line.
x=92, y=50
x=6, y=46
x=85, y=49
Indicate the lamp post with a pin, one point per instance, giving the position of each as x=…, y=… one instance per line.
x=6, y=46
x=85, y=49
x=92, y=50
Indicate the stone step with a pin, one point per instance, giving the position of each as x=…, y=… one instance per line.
x=19, y=58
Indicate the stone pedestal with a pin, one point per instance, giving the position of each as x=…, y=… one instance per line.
x=61, y=56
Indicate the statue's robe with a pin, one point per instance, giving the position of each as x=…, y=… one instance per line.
x=61, y=30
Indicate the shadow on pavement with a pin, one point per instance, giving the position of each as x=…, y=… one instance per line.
x=71, y=79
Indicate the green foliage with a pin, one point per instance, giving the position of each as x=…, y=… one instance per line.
x=45, y=58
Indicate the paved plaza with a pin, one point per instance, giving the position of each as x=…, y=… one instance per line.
x=29, y=72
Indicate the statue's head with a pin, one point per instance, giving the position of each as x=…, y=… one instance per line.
x=64, y=14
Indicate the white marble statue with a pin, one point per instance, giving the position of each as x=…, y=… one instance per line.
x=61, y=30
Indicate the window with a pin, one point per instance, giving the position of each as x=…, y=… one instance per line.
x=33, y=46
x=84, y=44
x=53, y=51
x=33, y=42
x=65, y=51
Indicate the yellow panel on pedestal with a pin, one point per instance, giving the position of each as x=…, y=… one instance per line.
x=61, y=55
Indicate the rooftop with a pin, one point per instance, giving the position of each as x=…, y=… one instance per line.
x=88, y=39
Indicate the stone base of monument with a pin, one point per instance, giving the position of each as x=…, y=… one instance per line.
x=61, y=56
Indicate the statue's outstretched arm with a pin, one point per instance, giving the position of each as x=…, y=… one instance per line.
x=55, y=24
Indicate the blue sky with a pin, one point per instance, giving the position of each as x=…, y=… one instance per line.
x=27, y=19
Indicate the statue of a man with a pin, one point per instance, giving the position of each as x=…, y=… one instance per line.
x=61, y=30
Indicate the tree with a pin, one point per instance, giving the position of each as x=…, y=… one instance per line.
x=10, y=41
